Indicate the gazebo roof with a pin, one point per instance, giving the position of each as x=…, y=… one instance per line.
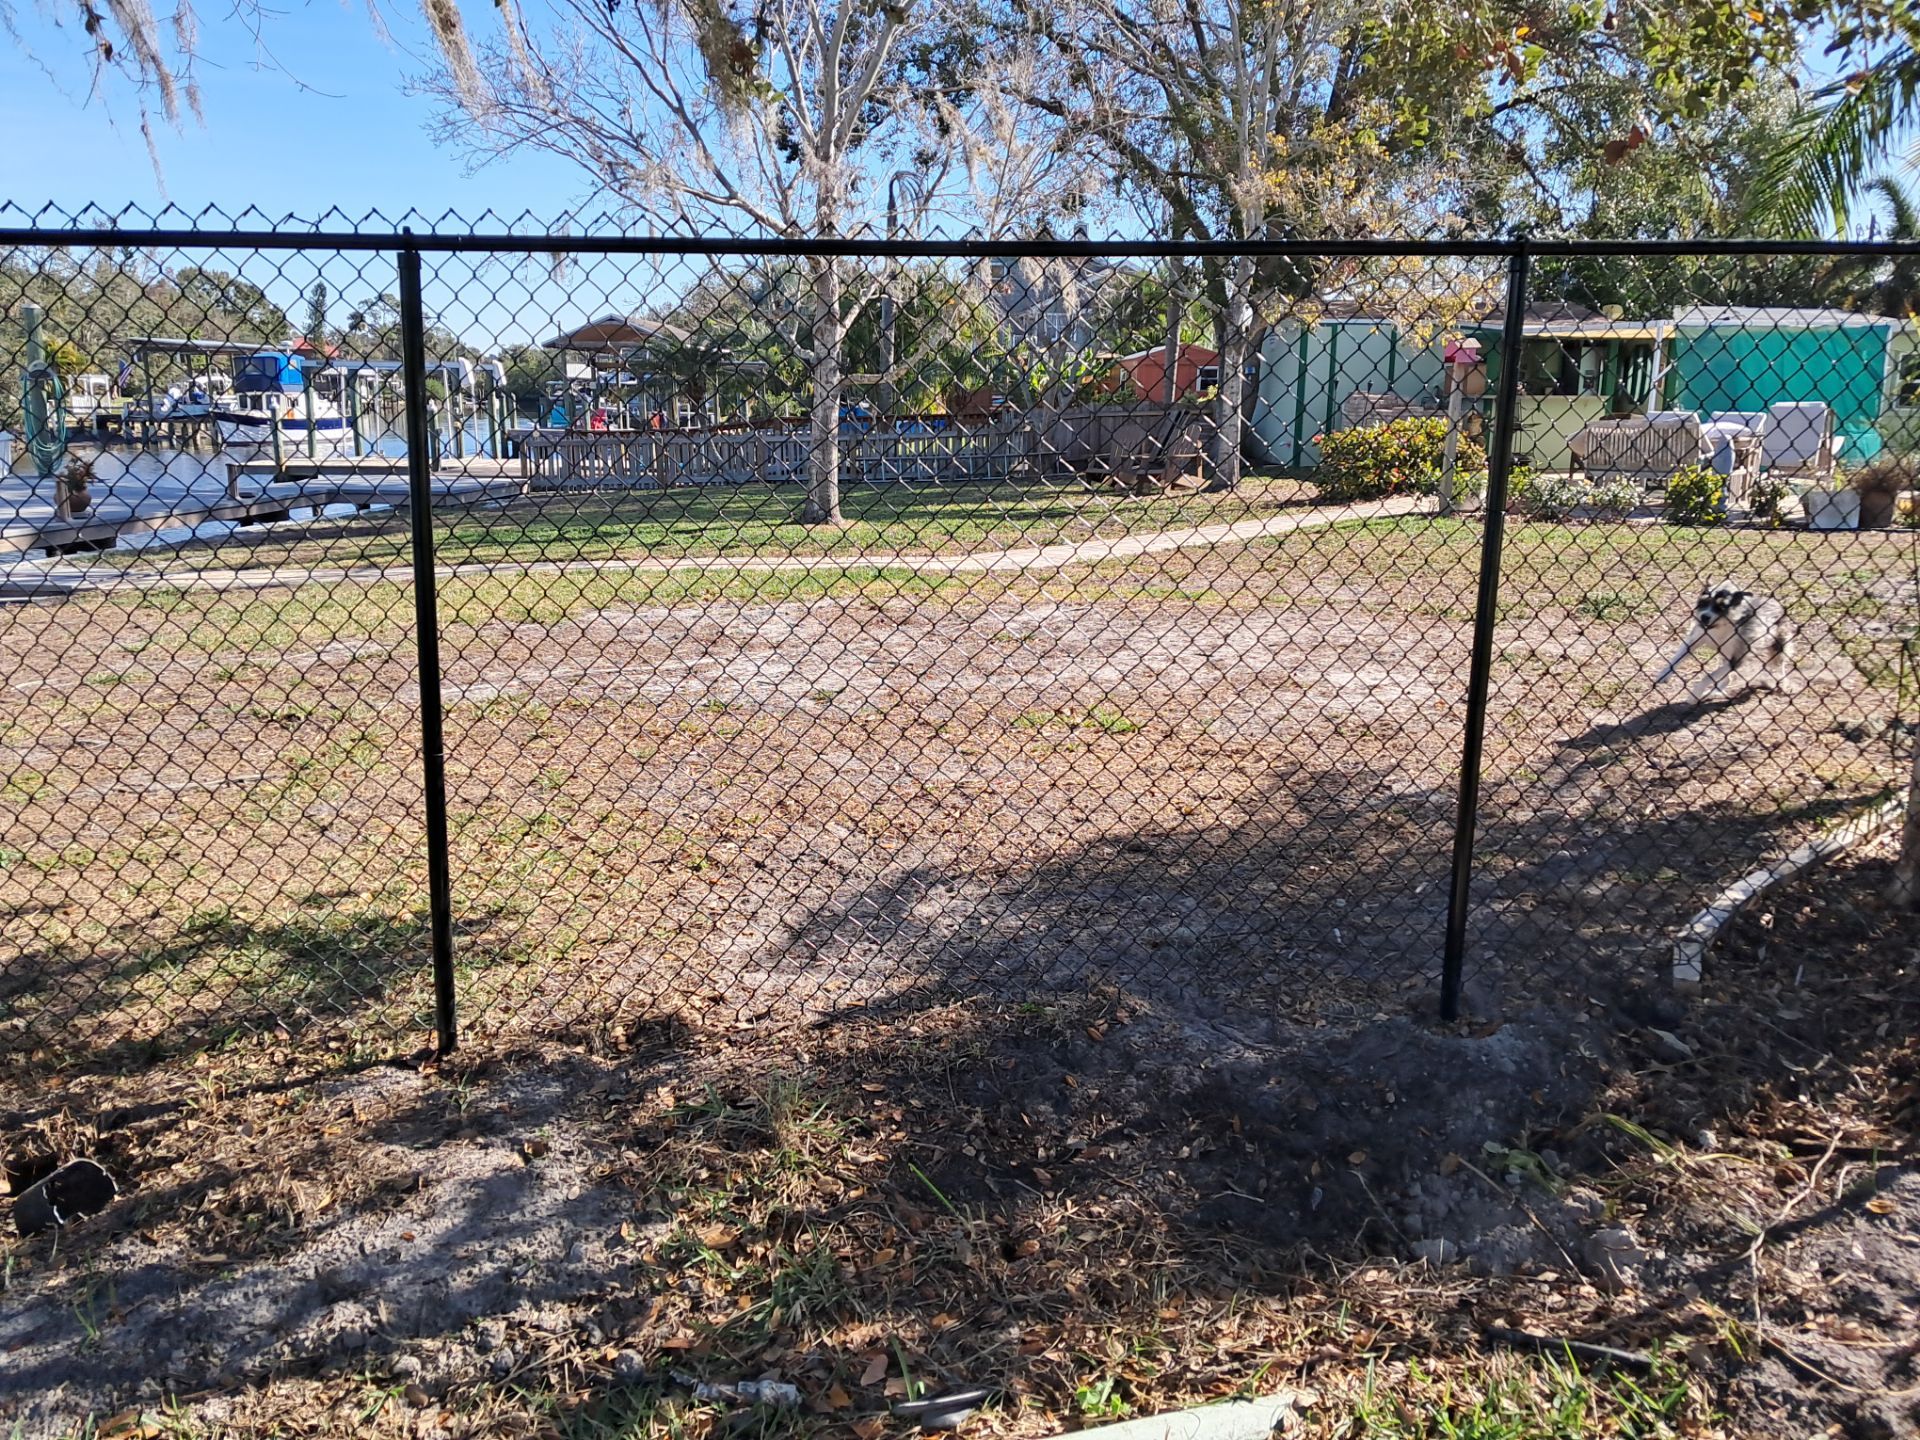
x=614, y=333
x=162, y=345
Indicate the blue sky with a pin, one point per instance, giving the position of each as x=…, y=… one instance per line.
x=319, y=116
x=322, y=120
x=324, y=116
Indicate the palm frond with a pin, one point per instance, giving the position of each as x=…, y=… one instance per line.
x=1809, y=183
x=1903, y=210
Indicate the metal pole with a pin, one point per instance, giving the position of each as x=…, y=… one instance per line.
x=426, y=609
x=1480, y=667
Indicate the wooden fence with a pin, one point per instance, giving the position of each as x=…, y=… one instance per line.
x=652, y=459
x=1146, y=443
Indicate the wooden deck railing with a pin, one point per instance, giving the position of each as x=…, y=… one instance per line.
x=651, y=459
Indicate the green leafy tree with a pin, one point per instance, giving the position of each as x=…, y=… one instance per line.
x=316, y=332
x=95, y=300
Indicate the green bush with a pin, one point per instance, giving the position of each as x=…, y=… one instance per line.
x=1696, y=496
x=1614, y=499
x=1401, y=457
x=1771, y=501
x=1545, y=494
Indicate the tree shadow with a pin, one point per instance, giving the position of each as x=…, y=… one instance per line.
x=1075, y=1152
x=115, y=1007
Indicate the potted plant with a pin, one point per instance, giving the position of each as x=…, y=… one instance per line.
x=1770, y=502
x=75, y=495
x=1837, y=508
x=1878, y=485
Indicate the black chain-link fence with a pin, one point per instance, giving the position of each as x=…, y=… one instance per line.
x=554, y=628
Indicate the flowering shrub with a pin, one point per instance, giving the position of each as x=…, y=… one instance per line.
x=1696, y=496
x=1546, y=494
x=1400, y=457
x=1614, y=499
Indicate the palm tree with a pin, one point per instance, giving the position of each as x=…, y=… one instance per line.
x=1872, y=284
x=1843, y=135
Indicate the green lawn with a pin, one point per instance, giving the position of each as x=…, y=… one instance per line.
x=1419, y=565
x=744, y=520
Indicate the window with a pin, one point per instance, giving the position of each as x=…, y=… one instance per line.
x=1906, y=393
x=1543, y=367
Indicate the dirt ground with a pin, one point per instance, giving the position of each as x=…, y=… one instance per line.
x=1090, y=1204
x=883, y=981
x=1225, y=779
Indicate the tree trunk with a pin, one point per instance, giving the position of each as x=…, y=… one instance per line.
x=1906, y=870
x=1234, y=332
x=823, y=449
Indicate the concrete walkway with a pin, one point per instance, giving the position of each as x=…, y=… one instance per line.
x=51, y=578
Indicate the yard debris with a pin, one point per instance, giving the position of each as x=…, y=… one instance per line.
x=76, y=1190
x=1229, y=1420
x=1615, y=1258
x=947, y=1411
x=778, y=1394
x=1667, y=1047
x=1579, y=1349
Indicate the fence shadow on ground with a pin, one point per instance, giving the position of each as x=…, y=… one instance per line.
x=120, y=1005
x=1051, y=1171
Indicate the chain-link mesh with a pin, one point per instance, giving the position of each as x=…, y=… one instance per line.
x=820, y=631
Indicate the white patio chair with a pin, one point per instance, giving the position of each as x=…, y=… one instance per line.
x=1798, y=440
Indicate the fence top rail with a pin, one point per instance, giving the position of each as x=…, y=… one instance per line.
x=20, y=237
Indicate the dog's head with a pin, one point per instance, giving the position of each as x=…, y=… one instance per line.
x=1717, y=604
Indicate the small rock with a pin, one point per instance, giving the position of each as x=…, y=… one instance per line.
x=417, y=1397
x=501, y=1362
x=629, y=1367
x=1436, y=1251
x=488, y=1336
x=406, y=1367
x=1615, y=1258
x=1588, y=1204
x=1667, y=1047
x=351, y=1337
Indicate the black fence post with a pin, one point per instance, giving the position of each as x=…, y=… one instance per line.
x=426, y=611
x=1485, y=607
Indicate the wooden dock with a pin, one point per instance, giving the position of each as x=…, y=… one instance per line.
x=298, y=467
x=250, y=493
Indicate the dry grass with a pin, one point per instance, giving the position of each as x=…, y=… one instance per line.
x=214, y=806
x=214, y=872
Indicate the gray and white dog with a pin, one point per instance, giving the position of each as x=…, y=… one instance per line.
x=1752, y=636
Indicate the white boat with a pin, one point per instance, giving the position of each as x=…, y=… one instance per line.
x=273, y=410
